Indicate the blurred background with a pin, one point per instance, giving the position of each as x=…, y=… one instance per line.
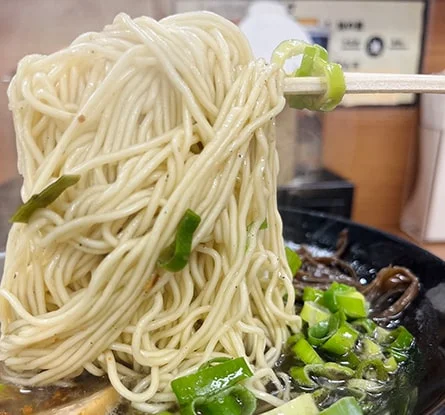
x=377, y=159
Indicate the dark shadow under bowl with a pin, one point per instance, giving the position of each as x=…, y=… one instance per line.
x=369, y=250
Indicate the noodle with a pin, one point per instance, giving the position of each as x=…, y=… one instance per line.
x=126, y=109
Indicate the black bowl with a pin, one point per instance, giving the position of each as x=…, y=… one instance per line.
x=368, y=251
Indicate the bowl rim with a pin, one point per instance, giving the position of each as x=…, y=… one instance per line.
x=394, y=238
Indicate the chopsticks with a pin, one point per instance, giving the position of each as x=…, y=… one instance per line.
x=370, y=83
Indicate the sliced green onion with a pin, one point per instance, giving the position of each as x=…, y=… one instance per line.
x=347, y=299
x=335, y=371
x=312, y=294
x=320, y=395
x=372, y=370
x=312, y=313
x=390, y=364
x=294, y=338
x=400, y=356
x=320, y=51
x=335, y=85
x=211, y=380
x=366, y=385
x=310, y=53
x=382, y=336
x=288, y=49
x=44, y=198
x=397, y=342
x=301, y=376
x=314, y=63
x=335, y=88
x=264, y=225
x=358, y=394
x=307, y=62
x=344, y=406
x=175, y=257
x=188, y=409
x=330, y=370
x=365, y=325
x=306, y=353
x=371, y=349
x=330, y=295
x=402, y=344
x=353, y=304
x=246, y=400
x=319, y=333
x=341, y=317
x=342, y=341
x=233, y=401
x=293, y=259
x=349, y=359
x=304, y=404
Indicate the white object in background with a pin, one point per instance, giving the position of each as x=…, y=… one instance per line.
x=423, y=215
x=266, y=25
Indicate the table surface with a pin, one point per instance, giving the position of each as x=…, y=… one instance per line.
x=10, y=199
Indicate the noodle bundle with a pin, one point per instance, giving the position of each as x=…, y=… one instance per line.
x=156, y=118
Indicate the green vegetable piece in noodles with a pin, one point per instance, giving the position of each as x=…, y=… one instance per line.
x=312, y=294
x=306, y=353
x=264, y=225
x=44, y=198
x=313, y=313
x=342, y=341
x=293, y=259
x=175, y=257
